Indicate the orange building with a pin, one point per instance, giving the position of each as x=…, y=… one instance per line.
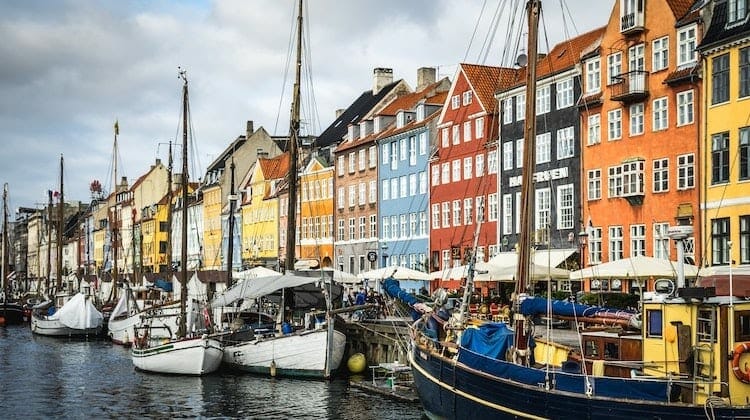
x=316, y=214
x=640, y=134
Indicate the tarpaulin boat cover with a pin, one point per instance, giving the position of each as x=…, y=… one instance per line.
x=538, y=306
x=79, y=313
x=393, y=288
x=163, y=285
x=490, y=339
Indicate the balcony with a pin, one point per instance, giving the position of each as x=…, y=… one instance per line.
x=630, y=87
x=631, y=23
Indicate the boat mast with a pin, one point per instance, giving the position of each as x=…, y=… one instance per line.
x=49, y=243
x=533, y=9
x=60, y=224
x=291, y=224
x=181, y=332
x=230, y=241
x=3, y=270
x=170, y=197
x=115, y=222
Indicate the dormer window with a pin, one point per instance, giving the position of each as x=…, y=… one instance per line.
x=737, y=11
x=353, y=131
x=686, y=42
x=468, y=95
x=631, y=16
x=455, y=101
x=420, y=112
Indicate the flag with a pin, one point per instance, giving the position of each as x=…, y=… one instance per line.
x=117, y=127
x=590, y=226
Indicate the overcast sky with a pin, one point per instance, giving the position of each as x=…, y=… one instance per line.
x=70, y=68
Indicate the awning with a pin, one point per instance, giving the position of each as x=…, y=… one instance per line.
x=306, y=264
x=543, y=257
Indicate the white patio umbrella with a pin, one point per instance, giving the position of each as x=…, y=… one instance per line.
x=395, y=271
x=254, y=273
x=639, y=266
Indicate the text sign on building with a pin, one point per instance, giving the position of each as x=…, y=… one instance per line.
x=557, y=173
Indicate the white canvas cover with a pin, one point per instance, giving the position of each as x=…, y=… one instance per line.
x=395, y=271
x=79, y=313
x=254, y=273
x=633, y=267
x=260, y=286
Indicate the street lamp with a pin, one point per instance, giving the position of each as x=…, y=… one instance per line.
x=583, y=236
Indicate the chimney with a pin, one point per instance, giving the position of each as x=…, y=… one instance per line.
x=339, y=112
x=260, y=153
x=249, y=129
x=123, y=184
x=380, y=78
x=425, y=77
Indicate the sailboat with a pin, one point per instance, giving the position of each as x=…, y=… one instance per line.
x=67, y=316
x=186, y=354
x=11, y=313
x=316, y=349
x=693, y=345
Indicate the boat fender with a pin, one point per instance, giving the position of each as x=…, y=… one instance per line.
x=742, y=374
x=273, y=368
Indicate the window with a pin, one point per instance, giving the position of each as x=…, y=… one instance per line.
x=745, y=153
x=660, y=114
x=744, y=239
x=341, y=199
x=744, y=72
x=636, y=119
x=362, y=194
x=593, y=76
x=340, y=166
x=654, y=319
x=423, y=223
x=467, y=96
x=519, y=153
x=394, y=155
x=615, y=243
x=720, y=158
x=340, y=234
x=456, y=135
x=614, y=68
x=518, y=212
x=402, y=186
x=373, y=195
x=445, y=143
x=435, y=176
x=614, y=121
x=632, y=178
x=492, y=162
x=661, y=175
x=543, y=205
x=736, y=10
x=507, y=214
x=615, y=181
x=394, y=188
x=402, y=147
x=436, y=216
x=456, y=165
x=372, y=157
x=480, y=209
x=412, y=150
x=480, y=165
x=685, y=171
x=422, y=143
x=637, y=240
x=413, y=224
x=456, y=212
x=468, y=167
x=362, y=227
x=543, y=147
x=508, y=111
x=362, y=155
x=352, y=229
x=352, y=162
x=455, y=101
x=520, y=106
x=661, y=240
x=352, y=195
x=565, y=143
x=446, y=214
x=479, y=128
x=542, y=100
x=660, y=49
x=467, y=131
x=412, y=185
x=686, y=42
x=595, y=245
x=468, y=211
x=720, y=79
x=423, y=182
x=565, y=203
x=373, y=226
x=507, y=155
x=594, y=184
x=492, y=207
x=595, y=129
x=394, y=227
x=564, y=93
x=720, y=241
x=403, y=232
x=685, y=108
x=446, y=173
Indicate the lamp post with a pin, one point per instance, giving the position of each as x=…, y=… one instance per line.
x=583, y=237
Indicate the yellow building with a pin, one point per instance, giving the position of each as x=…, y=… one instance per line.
x=260, y=211
x=316, y=214
x=725, y=148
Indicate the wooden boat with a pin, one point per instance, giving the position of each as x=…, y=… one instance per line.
x=76, y=317
x=11, y=313
x=188, y=353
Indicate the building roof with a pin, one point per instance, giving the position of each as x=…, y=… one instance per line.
x=486, y=80
x=352, y=115
x=563, y=56
x=680, y=7
x=275, y=167
x=718, y=32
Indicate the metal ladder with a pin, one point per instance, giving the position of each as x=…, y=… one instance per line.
x=703, y=351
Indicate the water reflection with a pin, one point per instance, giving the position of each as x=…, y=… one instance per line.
x=52, y=378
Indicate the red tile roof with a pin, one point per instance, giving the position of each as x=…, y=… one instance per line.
x=275, y=167
x=486, y=80
x=679, y=7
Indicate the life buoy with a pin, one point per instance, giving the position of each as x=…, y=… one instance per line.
x=742, y=374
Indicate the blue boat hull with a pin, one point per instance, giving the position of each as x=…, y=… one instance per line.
x=450, y=390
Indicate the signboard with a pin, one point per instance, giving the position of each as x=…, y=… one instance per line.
x=372, y=256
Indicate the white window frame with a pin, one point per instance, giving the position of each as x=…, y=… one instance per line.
x=685, y=171
x=543, y=147
x=686, y=44
x=520, y=106
x=507, y=214
x=565, y=143
x=564, y=90
x=593, y=76
x=637, y=119
x=508, y=111
x=507, y=155
x=594, y=184
x=479, y=128
x=685, y=108
x=565, y=207
x=660, y=175
x=614, y=68
x=468, y=167
x=614, y=124
x=543, y=99
x=660, y=114
x=594, y=135
x=660, y=54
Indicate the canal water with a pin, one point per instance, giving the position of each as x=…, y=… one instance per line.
x=42, y=377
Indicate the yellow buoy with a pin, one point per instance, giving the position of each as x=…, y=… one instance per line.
x=356, y=363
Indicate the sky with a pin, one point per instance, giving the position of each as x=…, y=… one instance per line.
x=70, y=68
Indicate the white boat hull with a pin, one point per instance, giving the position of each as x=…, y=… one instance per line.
x=55, y=328
x=296, y=355
x=192, y=356
x=162, y=321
